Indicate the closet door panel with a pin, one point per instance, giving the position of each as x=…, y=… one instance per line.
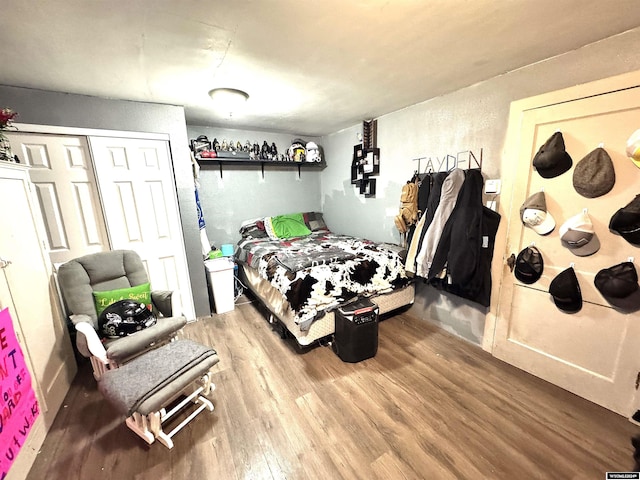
x=61, y=169
x=140, y=203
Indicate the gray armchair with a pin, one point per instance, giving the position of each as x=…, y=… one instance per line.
x=116, y=269
x=145, y=374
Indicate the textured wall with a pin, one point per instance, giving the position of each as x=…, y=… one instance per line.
x=470, y=119
x=473, y=118
x=241, y=192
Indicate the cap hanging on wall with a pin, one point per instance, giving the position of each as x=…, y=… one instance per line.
x=626, y=222
x=565, y=291
x=534, y=214
x=552, y=159
x=529, y=265
x=577, y=234
x=619, y=286
x=594, y=174
x=633, y=148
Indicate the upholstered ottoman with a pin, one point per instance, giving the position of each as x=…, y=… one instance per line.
x=143, y=388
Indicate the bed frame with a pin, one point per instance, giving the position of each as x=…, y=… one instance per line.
x=282, y=318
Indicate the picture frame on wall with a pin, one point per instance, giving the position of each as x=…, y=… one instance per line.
x=365, y=164
x=368, y=187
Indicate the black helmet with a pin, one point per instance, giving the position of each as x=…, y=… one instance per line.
x=125, y=317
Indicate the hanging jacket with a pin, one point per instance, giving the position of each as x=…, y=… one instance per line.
x=448, y=199
x=435, y=188
x=466, y=245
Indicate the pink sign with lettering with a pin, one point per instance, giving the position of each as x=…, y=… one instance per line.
x=18, y=403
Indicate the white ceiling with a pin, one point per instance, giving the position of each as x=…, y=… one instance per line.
x=310, y=67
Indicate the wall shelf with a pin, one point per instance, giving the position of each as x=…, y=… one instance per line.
x=243, y=159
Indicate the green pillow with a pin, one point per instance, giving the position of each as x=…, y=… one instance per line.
x=287, y=226
x=139, y=293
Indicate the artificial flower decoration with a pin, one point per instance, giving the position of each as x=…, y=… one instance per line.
x=6, y=119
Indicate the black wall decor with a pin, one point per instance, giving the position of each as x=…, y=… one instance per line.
x=366, y=161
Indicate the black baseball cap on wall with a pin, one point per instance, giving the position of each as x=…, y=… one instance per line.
x=529, y=265
x=565, y=290
x=626, y=222
x=552, y=159
x=619, y=286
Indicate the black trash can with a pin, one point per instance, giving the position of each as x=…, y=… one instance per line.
x=356, y=335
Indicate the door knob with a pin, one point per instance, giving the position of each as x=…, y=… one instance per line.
x=4, y=263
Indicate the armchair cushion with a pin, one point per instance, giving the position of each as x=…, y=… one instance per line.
x=145, y=384
x=140, y=293
x=98, y=271
x=121, y=349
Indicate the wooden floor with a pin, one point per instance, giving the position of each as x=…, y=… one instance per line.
x=428, y=406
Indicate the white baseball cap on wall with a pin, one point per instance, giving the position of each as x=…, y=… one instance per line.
x=633, y=148
x=577, y=234
x=534, y=214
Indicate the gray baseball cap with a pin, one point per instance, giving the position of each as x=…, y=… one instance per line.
x=594, y=174
x=577, y=234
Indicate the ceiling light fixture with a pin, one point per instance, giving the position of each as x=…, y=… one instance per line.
x=228, y=100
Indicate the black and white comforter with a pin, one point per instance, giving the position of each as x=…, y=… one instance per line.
x=318, y=272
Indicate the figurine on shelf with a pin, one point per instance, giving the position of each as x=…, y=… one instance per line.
x=238, y=146
x=313, y=152
x=273, y=151
x=224, y=146
x=264, y=153
x=215, y=144
x=296, y=152
x=247, y=147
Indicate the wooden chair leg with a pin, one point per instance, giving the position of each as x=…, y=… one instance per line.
x=149, y=427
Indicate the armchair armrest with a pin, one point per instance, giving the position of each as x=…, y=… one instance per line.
x=92, y=342
x=122, y=349
x=166, y=302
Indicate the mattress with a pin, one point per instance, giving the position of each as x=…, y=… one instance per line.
x=319, y=271
x=324, y=325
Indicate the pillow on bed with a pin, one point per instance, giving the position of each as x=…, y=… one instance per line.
x=253, y=228
x=315, y=222
x=286, y=226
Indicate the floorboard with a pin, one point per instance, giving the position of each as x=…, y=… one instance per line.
x=427, y=406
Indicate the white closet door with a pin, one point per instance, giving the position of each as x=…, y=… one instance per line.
x=135, y=179
x=62, y=172
x=27, y=289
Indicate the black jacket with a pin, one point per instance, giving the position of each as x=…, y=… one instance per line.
x=466, y=245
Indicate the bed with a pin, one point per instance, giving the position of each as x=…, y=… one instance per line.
x=302, y=272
